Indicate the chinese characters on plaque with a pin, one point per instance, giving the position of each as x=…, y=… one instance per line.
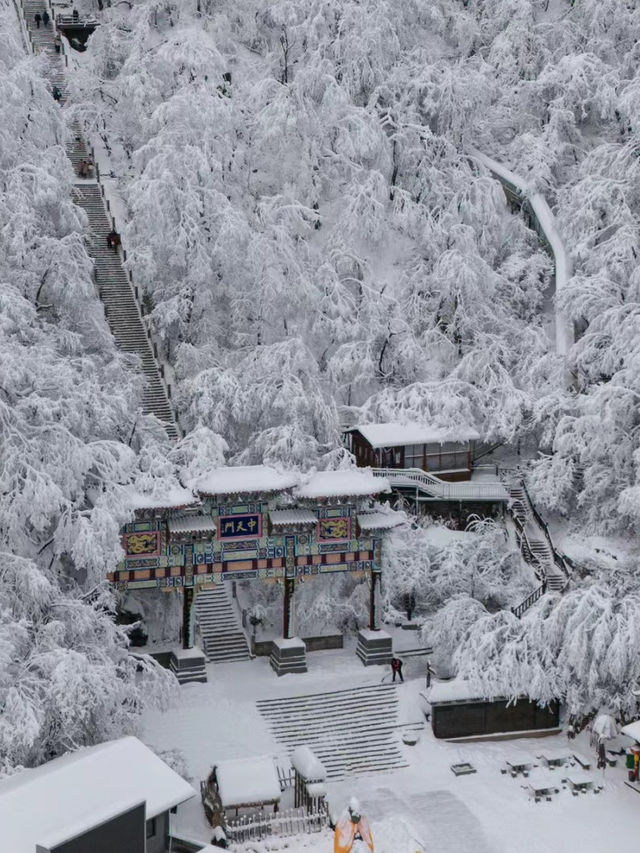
x=236, y=526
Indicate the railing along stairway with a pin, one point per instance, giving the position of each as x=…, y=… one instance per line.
x=429, y=487
x=121, y=299
x=536, y=546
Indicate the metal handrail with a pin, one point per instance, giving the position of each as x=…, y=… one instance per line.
x=535, y=561
x=521, y=608
x=558, y=557
x=75, y=22
x=441, y=488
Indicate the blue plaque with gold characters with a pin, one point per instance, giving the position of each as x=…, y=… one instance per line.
x=240, y=526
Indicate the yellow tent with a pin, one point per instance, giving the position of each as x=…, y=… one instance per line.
x=346, y=831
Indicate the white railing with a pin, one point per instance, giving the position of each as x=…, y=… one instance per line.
x=442, y=489
x=285, y=823
x=547, y=226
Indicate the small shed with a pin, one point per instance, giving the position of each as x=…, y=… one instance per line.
x=459, y=710
x=310, y=788
x=248, y=783
x=445, y=452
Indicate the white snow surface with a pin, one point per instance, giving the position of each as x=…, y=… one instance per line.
x=247, y=781
x=381, y=520
x=400, y=435
x=632, y=730
x=73, y=793
x=244, y=478
x=291, y=643
x=328, y=484
x=423, y=808
x=165, y=498
x=308, y=764
x=455, y=690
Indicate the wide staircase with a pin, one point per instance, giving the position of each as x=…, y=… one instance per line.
x=42, y=41
x=114, y=286
x=221, y=634
x=351, y=731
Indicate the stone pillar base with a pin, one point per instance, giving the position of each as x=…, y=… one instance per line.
x=188, y=665
x=288, y=656
x=374, y=647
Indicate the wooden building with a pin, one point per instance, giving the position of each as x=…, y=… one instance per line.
x=445, y=453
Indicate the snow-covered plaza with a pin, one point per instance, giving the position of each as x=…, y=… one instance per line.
x=422, y=808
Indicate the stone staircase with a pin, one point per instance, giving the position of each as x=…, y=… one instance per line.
x=534, y=544
x=351, y=731
x=221, y=635
x=114, y=286
x=42, y=41
x=120, y=305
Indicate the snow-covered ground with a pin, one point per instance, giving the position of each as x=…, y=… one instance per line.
x=421, y=809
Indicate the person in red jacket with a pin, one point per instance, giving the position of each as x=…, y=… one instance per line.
x=396, y=668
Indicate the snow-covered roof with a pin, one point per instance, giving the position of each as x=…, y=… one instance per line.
x=308, y=764
x=380, y=520
x=191, y=524
x=400, y=435
x=456, y=690
x=292, y=516
x=171, y=498
x=316, y=789
x=632, y=730
x=247, y=781
x=351, y=482
x=80, y=790
x=244, y=478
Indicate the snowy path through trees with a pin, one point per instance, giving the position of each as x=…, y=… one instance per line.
x=114, y=286
x=545, y=224
x=122, y=311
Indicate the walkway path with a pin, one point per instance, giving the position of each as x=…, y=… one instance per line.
x=121, y=306
x=520, y=192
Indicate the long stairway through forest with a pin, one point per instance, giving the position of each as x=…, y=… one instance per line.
x=351, y=731
x=221, y=634
x=122, y=310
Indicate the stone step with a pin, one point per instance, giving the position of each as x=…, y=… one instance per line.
x=349, y=730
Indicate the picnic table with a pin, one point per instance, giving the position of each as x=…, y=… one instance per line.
x=579, y=782
x=521, y=765
x=541, y=784
x=583, y=761
x=555, y=758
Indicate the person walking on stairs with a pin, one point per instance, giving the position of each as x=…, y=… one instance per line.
x=396, y=668
x=37, y=18
x=45, y=18
x=57, y=94
x=113, y=240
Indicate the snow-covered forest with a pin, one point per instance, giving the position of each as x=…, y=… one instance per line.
x=318, y=246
